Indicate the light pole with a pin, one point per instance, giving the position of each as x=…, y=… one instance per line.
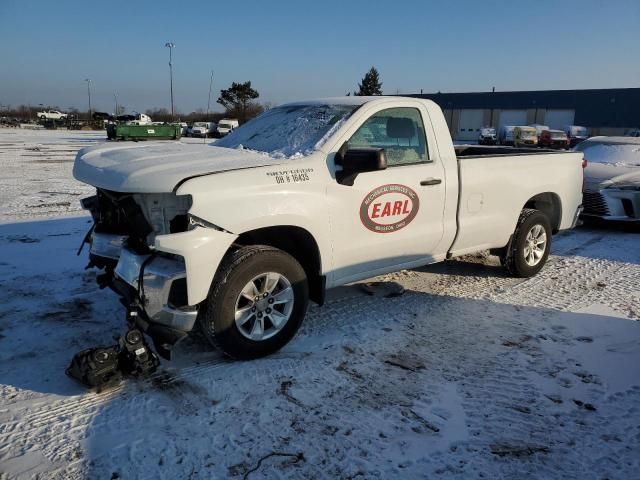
x=88, y=80
x=115, y=113
x=171, y=46
x=208, y=103
x=209, y=100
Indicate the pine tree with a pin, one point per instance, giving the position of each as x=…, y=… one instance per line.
x=238, y=100
x=371, y=84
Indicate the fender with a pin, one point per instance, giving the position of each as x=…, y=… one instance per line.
x=239, y=201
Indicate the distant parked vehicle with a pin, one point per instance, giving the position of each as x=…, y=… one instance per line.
x=525, y=137
x=576, y=134
x=185, y=128
x=51, y=115
x=226, y=126
x=203, y=129
x=553, y=139
x=505, y=136
x=611, y=178
x=539, y=128
x=487, y=136
x=140, y=119
x=633, y=133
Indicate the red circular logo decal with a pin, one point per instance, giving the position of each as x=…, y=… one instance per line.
x=389, y=208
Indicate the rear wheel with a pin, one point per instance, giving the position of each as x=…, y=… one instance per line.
x=530, y=245
x=256, y=303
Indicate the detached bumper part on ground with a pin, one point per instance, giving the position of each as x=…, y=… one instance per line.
x=105, y=366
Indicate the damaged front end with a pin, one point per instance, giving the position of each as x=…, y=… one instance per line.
x=151, y=283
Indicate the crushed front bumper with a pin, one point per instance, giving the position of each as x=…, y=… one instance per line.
x=160, y=282
x=168, y=284
x=160, y=291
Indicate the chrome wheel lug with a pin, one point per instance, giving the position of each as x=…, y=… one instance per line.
x=253, y=309
x=259, y=314
x=268, y=310
x=271, y=300
x=265, y=295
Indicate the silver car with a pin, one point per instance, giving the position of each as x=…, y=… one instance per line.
x=611, y=178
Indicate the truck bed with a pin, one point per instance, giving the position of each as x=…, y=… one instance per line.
x=468, y=151
x=496, y=183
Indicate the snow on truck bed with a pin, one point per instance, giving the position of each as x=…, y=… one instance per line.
x=468, y=374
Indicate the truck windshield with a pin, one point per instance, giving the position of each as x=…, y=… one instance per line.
x=288, y=131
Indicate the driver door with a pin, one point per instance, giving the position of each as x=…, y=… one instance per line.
x=393, y=218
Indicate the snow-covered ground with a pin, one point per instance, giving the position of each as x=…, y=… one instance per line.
x=468, y=374
x=35, y=171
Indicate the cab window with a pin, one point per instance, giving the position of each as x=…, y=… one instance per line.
x=399, y=131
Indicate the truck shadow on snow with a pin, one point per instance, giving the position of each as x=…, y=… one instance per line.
x=51, y=308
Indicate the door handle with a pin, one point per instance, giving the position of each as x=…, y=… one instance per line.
x=431, y=181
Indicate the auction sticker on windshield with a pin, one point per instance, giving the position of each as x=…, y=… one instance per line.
x=389, y=208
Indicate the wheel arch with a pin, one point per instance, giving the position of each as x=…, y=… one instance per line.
x=550, y=204
x=297, y=242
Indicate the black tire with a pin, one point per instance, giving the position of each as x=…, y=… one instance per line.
x=238, y=268
x=513, y=256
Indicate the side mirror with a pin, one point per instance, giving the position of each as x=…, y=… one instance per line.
x=359, y=160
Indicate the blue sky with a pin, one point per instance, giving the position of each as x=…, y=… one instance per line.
x=297, y=49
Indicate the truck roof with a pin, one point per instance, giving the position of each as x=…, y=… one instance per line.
x=350, y=100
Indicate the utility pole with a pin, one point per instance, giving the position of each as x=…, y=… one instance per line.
x=115, y=113
x=171, y=46
x=88, y=80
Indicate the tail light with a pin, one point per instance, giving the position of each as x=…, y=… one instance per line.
x=584, y=163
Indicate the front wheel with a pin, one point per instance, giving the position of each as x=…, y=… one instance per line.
x=256, y=303
x=530, y=245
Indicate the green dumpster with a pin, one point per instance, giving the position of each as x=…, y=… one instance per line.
x=167, y=131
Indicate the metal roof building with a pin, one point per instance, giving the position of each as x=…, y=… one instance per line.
x=604, y=111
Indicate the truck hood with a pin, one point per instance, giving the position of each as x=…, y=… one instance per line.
x=157, y=167
x=601, y=175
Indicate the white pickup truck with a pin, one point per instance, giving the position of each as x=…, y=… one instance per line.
x=240, y=234
x=51, y=115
